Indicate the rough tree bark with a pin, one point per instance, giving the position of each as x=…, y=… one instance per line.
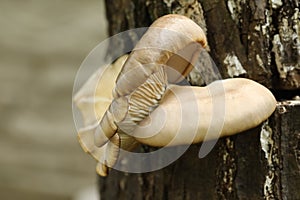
x=255, y=39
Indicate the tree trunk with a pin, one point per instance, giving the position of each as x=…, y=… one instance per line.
x=254, y=39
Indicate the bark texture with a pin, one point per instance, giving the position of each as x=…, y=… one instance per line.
x=247, y=38
x=255, y=39
x=262, y=163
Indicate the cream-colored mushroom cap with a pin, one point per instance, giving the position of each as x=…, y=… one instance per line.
x=246, y=104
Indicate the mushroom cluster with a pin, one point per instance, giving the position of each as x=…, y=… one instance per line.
x=141, y=102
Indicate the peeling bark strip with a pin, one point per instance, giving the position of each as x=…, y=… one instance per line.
x=270, y=146
x=233, y=65
x=225, y=186
x=258, y=39
x=286, y=47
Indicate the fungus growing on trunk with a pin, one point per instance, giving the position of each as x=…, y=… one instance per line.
x=145, y=105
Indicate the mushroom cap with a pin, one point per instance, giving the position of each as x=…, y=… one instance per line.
x=93, y=99
x=185, y=114
x=165, y=37
x=165, y=54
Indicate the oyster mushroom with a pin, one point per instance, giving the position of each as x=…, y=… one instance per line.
x=141, y=103
x=173, y=41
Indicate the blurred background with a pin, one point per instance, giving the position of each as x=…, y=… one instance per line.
x=42, y=44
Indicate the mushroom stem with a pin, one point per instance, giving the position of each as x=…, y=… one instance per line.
x=189, y=115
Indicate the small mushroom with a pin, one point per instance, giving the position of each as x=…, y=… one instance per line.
x=140, y=102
